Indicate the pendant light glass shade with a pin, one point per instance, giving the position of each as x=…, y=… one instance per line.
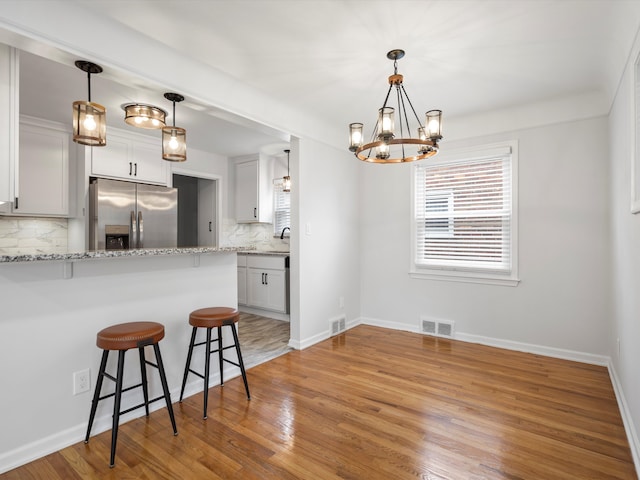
x=286, y=180
x=144, y=116
x=174, y=139
x=89, y=124
x=89, y=118
x=174, y=144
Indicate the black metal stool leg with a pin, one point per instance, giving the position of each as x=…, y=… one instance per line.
x=207, y=362
x=240, y=362
x=143, y=376
x=186, y=368
x=220, y=356
x=165, y=387
x=96, y=395
x=116, y=406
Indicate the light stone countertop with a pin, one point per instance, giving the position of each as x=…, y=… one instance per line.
x=147, y=252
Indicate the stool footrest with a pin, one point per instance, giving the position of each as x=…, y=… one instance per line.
x=141, y=405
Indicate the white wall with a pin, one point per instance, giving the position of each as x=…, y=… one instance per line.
x=325, y=242
x=625, y=235
x=563, y=299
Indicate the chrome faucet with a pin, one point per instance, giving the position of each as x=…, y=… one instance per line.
x=282, y=234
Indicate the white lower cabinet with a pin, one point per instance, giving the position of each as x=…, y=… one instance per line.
x=242, y=279
x=265, y=277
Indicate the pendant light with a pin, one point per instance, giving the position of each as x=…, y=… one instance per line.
x=142, y=115
x=89, y=119
x=286, y=181
x=174, y=139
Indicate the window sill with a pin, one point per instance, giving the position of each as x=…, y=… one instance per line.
x=465, y=276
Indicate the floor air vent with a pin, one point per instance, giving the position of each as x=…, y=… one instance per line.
x=338, y=325
x=438, y=328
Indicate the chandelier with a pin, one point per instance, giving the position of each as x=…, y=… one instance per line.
x=385, y=146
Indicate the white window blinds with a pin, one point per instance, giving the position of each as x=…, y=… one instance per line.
x=463, y=214
x=281, y=208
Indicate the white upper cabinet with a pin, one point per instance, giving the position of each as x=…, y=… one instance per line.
x=44, y=169
x=254, y=189
x=9, y=121
x=129, y=156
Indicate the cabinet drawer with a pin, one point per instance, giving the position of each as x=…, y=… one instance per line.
x=242, y=260
x=266, y=261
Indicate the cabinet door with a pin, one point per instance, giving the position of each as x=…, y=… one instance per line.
x=9, y=103
x=256, y=290
x=247, y=192
x=148, y=163
x=44, y=171
x=275, y=290
x=242, y=285
x=112, y=160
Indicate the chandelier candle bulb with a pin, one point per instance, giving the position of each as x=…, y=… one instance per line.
x=385, y=120
x=434, y=124
x=355, y=136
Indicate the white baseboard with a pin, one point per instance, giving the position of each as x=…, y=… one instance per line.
x=264, y=313
x=627, y=419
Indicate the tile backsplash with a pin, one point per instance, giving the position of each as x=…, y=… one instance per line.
x=259, y=235
x=31, y=235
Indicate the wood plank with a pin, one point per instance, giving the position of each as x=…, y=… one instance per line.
x=375, y=403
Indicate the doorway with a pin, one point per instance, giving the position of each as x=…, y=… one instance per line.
x=197, y=211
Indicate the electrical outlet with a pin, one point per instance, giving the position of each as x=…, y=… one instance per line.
x=81, y=381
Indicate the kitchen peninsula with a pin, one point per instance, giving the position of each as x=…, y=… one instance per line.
x=49, y=323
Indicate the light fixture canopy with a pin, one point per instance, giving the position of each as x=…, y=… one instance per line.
x=174, y=139
x=286, y=181
x=142, y=115
x=385, y=146
x=89, y=118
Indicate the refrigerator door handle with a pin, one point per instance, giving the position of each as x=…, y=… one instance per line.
x=133, y=239
x=140, y=231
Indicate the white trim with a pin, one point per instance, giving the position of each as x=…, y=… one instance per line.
x=564, y=354
x=625, y=413
x=635, y=138
x=470, y=275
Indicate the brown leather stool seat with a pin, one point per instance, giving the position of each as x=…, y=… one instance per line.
x=209, y=318
x=123, y=337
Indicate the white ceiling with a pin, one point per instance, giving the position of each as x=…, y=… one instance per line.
x=328, y=57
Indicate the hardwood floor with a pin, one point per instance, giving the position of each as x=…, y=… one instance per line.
x=377, y=404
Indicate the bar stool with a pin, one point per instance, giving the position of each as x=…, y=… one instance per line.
x=209, y=318
x=123, y=337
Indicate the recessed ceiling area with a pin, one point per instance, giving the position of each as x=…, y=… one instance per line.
x=48, y=88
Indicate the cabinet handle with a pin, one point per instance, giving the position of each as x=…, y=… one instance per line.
x=263, y=279
x=130, y=167
x=135, y=169
x=266, y=279
x=255, y=213
x=210, y=226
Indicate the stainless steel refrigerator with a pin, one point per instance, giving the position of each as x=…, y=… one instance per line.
x=124, y=215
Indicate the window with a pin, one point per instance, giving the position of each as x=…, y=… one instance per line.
x=281, y=208
x=465, y=221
